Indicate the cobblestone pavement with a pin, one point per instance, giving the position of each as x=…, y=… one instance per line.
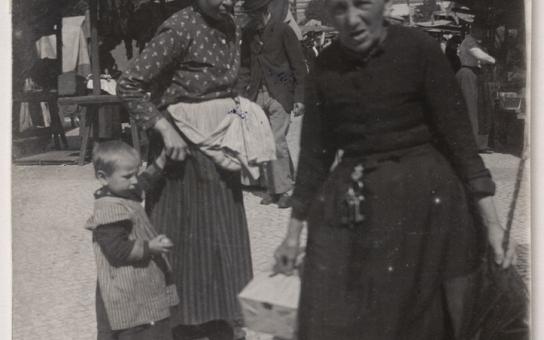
x=53, y=264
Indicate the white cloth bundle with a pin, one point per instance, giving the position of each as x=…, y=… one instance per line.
x=235, y=136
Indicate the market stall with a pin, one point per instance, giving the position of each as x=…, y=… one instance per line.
x=504, y=85
x=76, y=38
x=79, y=72
x=35, y=114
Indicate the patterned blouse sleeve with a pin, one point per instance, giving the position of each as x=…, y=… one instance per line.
x=134, y=85
x=449, y=118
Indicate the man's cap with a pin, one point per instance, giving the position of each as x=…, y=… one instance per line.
x=250, y=6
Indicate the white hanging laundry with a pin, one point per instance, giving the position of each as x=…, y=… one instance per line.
x=25, y=120
x=46, y=114
x=75, y=52
x=46, y=47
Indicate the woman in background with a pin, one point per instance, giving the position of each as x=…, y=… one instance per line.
x=472, y=57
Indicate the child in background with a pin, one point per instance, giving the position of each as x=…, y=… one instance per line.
x=133, y=295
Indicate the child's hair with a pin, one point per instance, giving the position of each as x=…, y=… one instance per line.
x=106, y=155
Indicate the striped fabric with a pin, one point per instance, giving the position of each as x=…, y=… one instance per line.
x=133, y=295
x=200, y=208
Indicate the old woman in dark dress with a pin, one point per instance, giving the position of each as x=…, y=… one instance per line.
x=196, y=54
x=393, y=246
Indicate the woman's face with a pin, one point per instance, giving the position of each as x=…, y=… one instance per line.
x=360, y=23
x=216, y=8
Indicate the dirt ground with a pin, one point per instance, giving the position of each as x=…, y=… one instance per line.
x=54, y=274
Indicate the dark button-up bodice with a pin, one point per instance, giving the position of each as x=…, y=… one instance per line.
x=403, y=95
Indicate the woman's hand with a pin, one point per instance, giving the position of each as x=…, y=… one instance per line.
x=160, y=161
x=176, y=148
x=286, y=254
x=495, y=236
x=496, y=233
x=298, y=109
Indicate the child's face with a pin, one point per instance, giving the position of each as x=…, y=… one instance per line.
x=122, y=181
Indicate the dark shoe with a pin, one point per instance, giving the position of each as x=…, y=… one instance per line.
x=269, y=199
x=284, y=202
x=188, y=332
x=218, y=330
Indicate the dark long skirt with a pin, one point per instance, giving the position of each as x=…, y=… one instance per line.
x=200, y=208
x=406, y=271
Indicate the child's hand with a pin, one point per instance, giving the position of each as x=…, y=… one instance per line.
x=160, y=244
x=161, y=160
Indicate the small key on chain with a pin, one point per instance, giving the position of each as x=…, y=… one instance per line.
x=353, y=200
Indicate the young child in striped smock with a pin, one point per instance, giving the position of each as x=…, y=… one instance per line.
x=133, y=294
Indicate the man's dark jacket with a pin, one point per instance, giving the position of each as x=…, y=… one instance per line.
x=274, y=58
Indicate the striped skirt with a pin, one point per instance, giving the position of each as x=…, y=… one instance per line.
x=200, y=208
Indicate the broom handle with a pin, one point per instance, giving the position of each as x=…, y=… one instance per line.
x=517, y=187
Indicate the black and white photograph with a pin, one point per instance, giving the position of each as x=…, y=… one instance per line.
x=271, y=169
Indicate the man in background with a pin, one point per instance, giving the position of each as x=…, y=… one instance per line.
x=273, y=54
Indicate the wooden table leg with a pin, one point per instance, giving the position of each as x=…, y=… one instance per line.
x=56, y=125
x=86, y=127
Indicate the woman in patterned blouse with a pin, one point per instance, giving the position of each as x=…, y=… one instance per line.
x=194, y=60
